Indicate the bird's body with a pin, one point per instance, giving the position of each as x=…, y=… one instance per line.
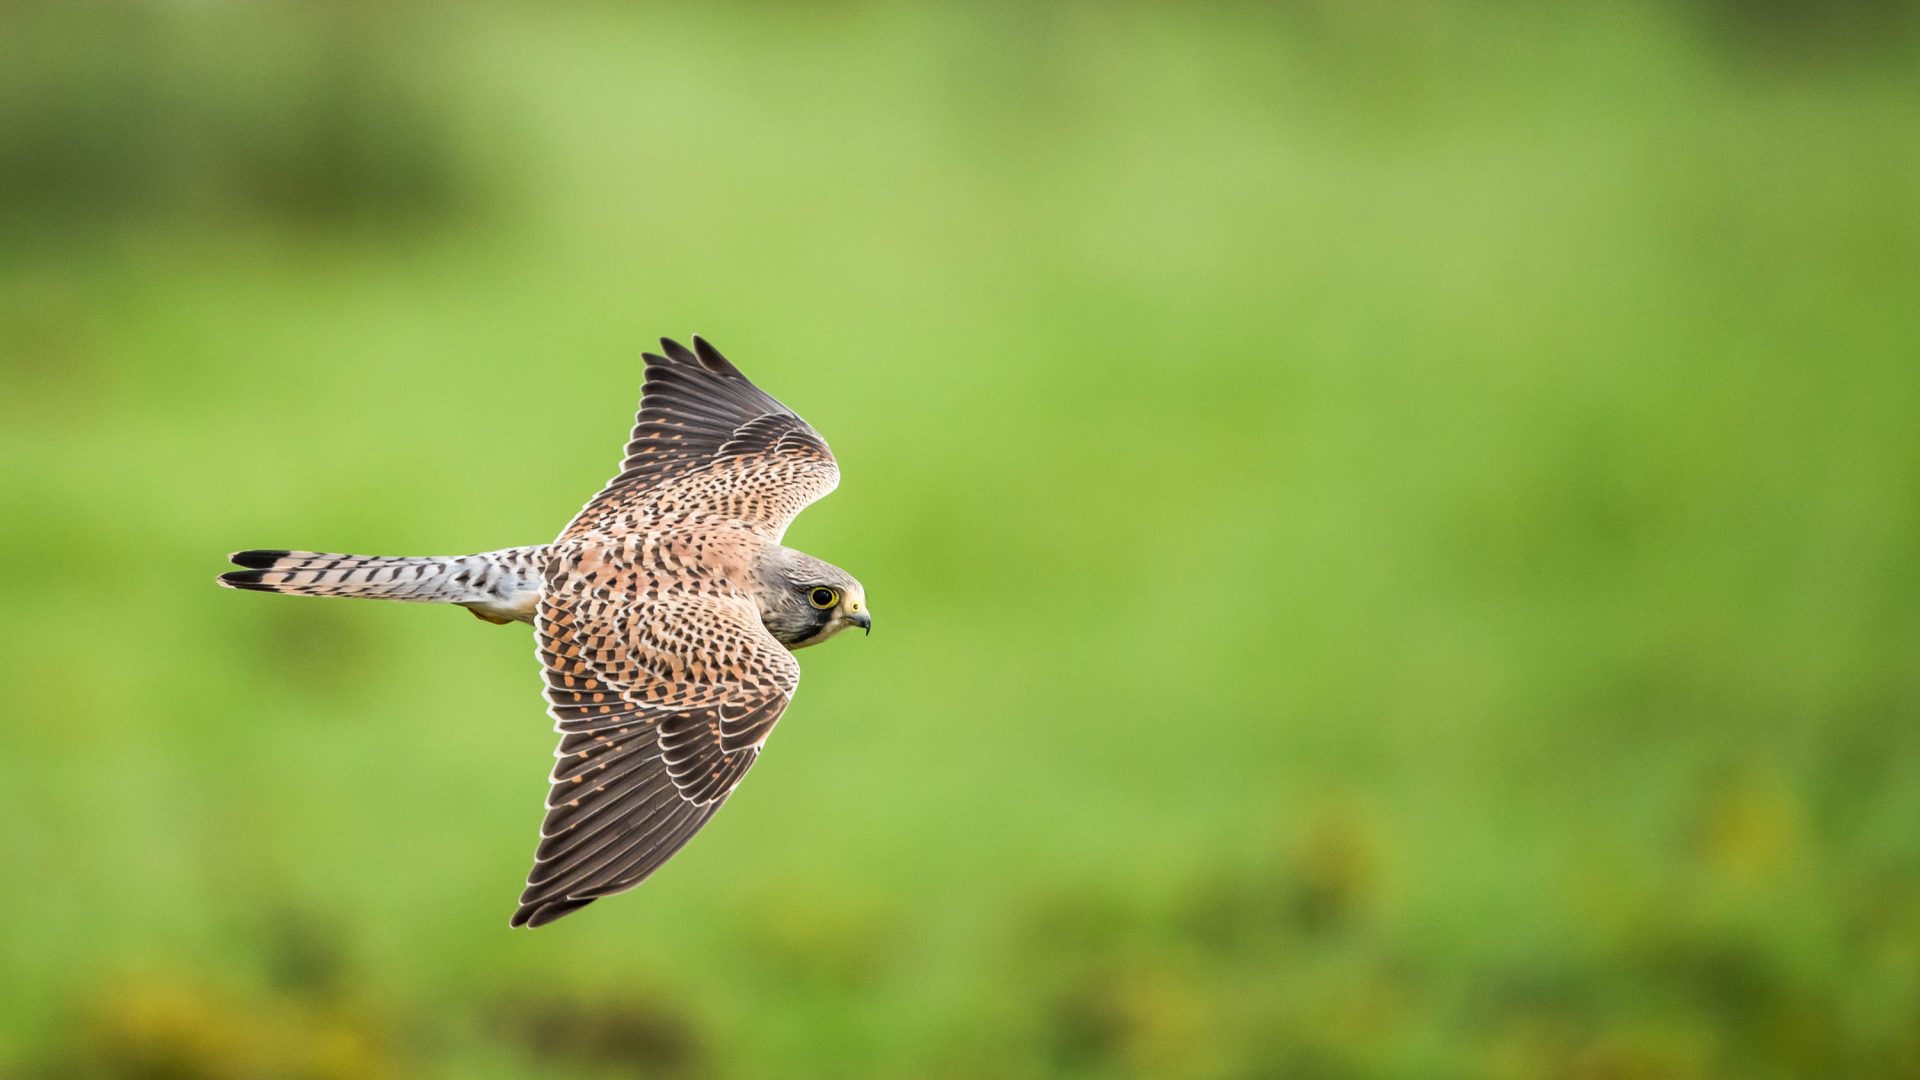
x=665, y=615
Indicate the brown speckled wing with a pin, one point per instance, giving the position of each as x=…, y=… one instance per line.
x=662, y=697
x=709, y=443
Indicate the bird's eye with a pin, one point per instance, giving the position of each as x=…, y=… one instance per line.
x=823, y=598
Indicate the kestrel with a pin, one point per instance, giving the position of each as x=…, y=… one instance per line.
x=666, y=615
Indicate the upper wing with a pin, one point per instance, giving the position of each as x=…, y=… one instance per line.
x=662, y=704
x=708, y=441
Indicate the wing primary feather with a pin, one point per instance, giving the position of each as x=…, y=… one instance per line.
x=711, y=356
x=584, y=875
x=541, y=914
x=641, y=859
x=573, y=855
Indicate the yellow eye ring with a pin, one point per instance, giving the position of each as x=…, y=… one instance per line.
x=823, y=597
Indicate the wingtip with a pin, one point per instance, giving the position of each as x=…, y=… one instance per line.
x=710, y=356
x=703, y=354
x=541, y=912
x=677, y=351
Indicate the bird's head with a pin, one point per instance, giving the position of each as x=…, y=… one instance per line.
x=804, y=600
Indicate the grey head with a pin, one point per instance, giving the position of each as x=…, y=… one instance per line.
x=804, y=600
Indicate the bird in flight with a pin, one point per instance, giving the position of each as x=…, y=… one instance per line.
x=666, y=615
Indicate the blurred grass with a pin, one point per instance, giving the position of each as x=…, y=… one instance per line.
x=1393, y=531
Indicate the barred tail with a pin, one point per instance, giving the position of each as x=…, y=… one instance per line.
x=499, y=586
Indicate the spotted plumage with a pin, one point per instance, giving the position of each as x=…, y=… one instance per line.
x=665, y=615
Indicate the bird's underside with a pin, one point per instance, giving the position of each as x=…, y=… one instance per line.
x=655, y=611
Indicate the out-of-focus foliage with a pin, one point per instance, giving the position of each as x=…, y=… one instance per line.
x=1393, y=531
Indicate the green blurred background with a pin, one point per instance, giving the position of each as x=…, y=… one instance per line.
x=1393, y=529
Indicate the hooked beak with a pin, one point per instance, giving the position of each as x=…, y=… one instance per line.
x=862, y=620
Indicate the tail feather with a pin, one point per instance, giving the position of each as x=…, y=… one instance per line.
x=501, y=586
x=258, y=560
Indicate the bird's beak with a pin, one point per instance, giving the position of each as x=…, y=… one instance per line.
x=862, y=620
